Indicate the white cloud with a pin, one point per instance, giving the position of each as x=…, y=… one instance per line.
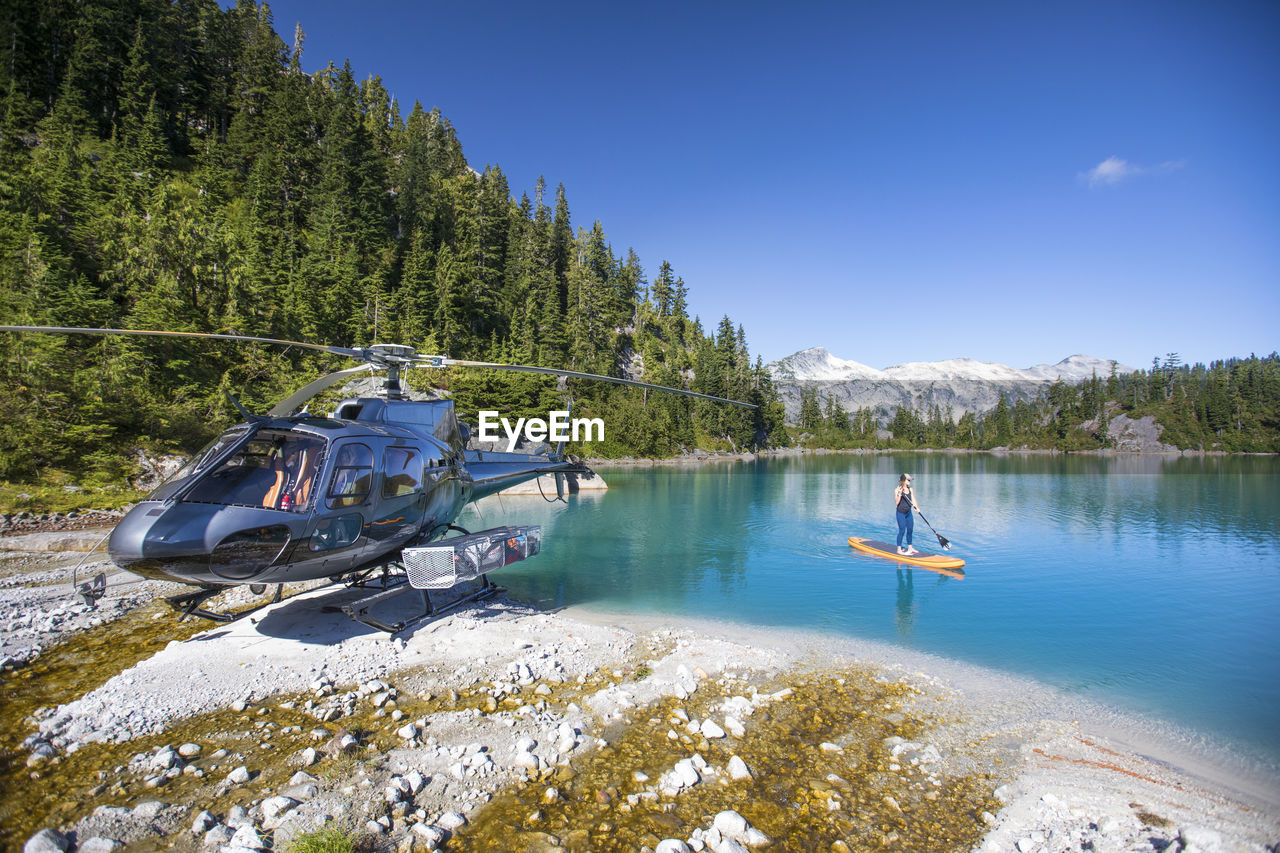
x=1113, y=170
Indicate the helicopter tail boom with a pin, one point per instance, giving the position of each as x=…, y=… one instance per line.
x=494, y=471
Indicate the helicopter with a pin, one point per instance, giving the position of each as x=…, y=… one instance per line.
x=355, y=497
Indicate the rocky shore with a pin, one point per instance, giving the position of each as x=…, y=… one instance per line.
x=504, y=728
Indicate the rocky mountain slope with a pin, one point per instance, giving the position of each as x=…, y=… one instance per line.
x=964, y=384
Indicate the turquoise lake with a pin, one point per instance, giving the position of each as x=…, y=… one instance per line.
x=1149, y=583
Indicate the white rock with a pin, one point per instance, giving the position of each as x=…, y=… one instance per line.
x=451, y=821
x=308, y=756
x=164, y=759
x=711, y=731
x=238, y=776
x=273, y=807
x=416, y=781
x=408, y=732
x=47, y=841
x=686, y=773
x=738, y=768
x=246, y=836
x=1195, y=839
x=729, y=845
x=734, y=727
x=98, y=844
x=189, y=750
x=730, y=823
x=434, y=836
x=755, y=838
x=525, y=744
x=527, y=760
x=219, y=835
x=672, y=845
x=204, y=822
x=302, y=792
x=148, y=809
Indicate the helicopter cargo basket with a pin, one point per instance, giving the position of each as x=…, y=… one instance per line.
x=463, y=558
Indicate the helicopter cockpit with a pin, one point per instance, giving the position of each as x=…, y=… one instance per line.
x=273, y=469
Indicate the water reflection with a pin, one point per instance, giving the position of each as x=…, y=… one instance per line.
x=903, y=611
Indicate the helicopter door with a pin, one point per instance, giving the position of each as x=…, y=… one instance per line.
x=401, y=501
x=347, y=508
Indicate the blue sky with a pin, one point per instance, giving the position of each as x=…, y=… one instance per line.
x=1014, y=182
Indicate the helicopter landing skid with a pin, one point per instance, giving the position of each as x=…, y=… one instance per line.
x=188, y=604
x=359, y=610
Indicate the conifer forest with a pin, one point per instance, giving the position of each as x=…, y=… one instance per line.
x=168, y=165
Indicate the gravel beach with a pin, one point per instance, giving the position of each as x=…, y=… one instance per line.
x=502, y=727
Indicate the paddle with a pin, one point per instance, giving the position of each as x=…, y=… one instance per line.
x=942, y=540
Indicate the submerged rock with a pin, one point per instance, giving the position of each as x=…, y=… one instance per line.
x=47, y=841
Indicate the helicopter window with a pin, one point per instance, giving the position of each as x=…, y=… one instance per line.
x=209, y=453
x=352, y=476
x=336, y=532
x=403, y=472
x=273, y=469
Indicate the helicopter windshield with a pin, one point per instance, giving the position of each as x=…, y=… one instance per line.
x=199, y=462
x=274, y=470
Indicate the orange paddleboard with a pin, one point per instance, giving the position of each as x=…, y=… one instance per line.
x=950, y=566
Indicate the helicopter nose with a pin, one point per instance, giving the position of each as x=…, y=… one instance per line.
x=197, y=543
x=145, y=544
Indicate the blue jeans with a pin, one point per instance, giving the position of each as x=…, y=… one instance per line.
x=906, y=524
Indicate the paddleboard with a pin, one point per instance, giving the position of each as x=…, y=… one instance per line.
x=949, y=566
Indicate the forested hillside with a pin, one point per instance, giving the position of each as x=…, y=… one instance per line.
x=167, y=164
x=1231, y=406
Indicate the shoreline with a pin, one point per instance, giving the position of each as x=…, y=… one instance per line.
x=1200, y=754
x=705, y=457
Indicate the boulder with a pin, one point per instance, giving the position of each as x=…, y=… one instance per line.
x=47, y=841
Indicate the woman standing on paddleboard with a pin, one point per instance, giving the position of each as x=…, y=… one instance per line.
x=904, y=500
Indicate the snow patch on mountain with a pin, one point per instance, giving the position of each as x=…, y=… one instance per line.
x=956, y=385
x=817, y=364
x=954, y=368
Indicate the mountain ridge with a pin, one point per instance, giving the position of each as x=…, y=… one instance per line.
x=957, y=385
x=819, y=364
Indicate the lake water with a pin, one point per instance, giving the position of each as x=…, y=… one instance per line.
x=1149, y=583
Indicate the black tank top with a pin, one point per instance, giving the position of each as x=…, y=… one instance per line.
x=904, y=502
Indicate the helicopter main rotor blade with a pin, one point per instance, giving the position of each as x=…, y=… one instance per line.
x=435, y=361
x=286, y=406
x=67, y=330
x=384, y=356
